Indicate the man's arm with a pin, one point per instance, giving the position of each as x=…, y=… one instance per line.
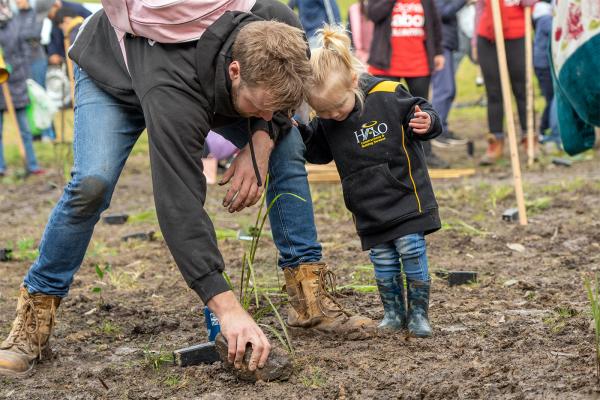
x=176, y=128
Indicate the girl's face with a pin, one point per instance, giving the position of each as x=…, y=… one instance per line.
x=334, y=101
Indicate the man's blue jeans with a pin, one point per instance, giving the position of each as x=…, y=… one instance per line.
x=292, y=220
x=409, y=251
x=30, y=160
x=105, y=132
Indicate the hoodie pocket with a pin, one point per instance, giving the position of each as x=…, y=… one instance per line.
x=377, y=199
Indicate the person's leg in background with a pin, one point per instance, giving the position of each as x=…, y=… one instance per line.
x=488, y=61
x=38, y=68
x=105, y=130
x=295, y=236
x=27, y=138
x=544, y=78
x=390, y=284
x=419, y=87
x=443, y=92
x=413, y=253
x=515, y=52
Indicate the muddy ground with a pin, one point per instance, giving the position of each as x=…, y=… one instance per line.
x=522, y=331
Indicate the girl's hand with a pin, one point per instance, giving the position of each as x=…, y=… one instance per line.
x=420, y=122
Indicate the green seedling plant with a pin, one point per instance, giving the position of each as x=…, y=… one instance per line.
x=101, y=272
x=593, y=288
x=156, y=359
x=250, y=292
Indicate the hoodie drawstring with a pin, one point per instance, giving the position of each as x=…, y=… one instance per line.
x=253, y=155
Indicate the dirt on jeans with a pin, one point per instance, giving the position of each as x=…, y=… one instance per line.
x=522, y=331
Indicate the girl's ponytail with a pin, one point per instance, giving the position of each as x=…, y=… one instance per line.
x=335, y=57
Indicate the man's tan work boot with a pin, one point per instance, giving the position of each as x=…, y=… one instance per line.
x=312, y=306
x=30, y=334
x=494, y=152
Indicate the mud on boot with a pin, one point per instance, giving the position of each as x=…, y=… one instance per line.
x=391, y=291
x=30, y=335
x=312, y=305
x=418, y=308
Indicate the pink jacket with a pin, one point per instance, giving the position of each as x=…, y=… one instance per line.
x=362, y=32
x=167, y=21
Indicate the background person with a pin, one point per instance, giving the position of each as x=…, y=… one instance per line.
x=13, y=41
x=443, y=82
x=407, y=44
x=513, y=26
x=313, y=14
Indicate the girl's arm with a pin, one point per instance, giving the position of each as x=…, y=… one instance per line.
x=317, y=147
x=407, y=104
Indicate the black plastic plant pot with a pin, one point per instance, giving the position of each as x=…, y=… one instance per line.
x=5, y=254
x=461, y=277
x=145, y=236
x=115, y=219
x=510, y=215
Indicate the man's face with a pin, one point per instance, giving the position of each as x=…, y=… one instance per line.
x=248, y=101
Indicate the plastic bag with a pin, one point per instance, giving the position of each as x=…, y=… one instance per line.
x=41, y=108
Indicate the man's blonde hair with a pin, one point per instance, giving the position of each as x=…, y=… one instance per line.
x=274, y=57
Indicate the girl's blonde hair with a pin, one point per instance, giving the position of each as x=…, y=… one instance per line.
x=335, y=57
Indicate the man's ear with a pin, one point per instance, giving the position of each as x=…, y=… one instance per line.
x=234, y=71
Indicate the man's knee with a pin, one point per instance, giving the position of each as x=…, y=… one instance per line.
x=89, y=195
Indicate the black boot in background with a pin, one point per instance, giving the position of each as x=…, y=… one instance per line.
x=433, y=161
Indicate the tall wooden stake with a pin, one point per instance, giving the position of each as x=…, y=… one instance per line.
x=508, y=111
x=529, y=87
x=13, y=116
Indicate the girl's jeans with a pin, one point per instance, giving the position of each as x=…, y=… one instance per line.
x=408, y=251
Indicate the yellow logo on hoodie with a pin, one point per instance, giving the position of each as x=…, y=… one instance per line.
x=371, y=133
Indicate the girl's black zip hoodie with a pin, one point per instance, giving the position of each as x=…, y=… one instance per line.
x=380, y=161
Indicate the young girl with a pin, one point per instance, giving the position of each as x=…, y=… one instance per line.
x=373, y=129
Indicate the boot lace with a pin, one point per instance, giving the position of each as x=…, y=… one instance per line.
x=326, y=289
x=27, y=325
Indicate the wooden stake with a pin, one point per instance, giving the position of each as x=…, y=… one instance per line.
x=13, y=116
x=508, y=111
x=529, y=87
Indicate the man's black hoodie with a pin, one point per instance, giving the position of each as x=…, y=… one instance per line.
x=181, y=91
x=380, y=161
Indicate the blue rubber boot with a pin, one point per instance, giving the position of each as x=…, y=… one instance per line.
x=391, y=291
x=418, y=308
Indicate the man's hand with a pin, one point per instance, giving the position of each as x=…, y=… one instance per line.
x=420, y=122
x=438, y=62
x=244, y=190
x=239, y=329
